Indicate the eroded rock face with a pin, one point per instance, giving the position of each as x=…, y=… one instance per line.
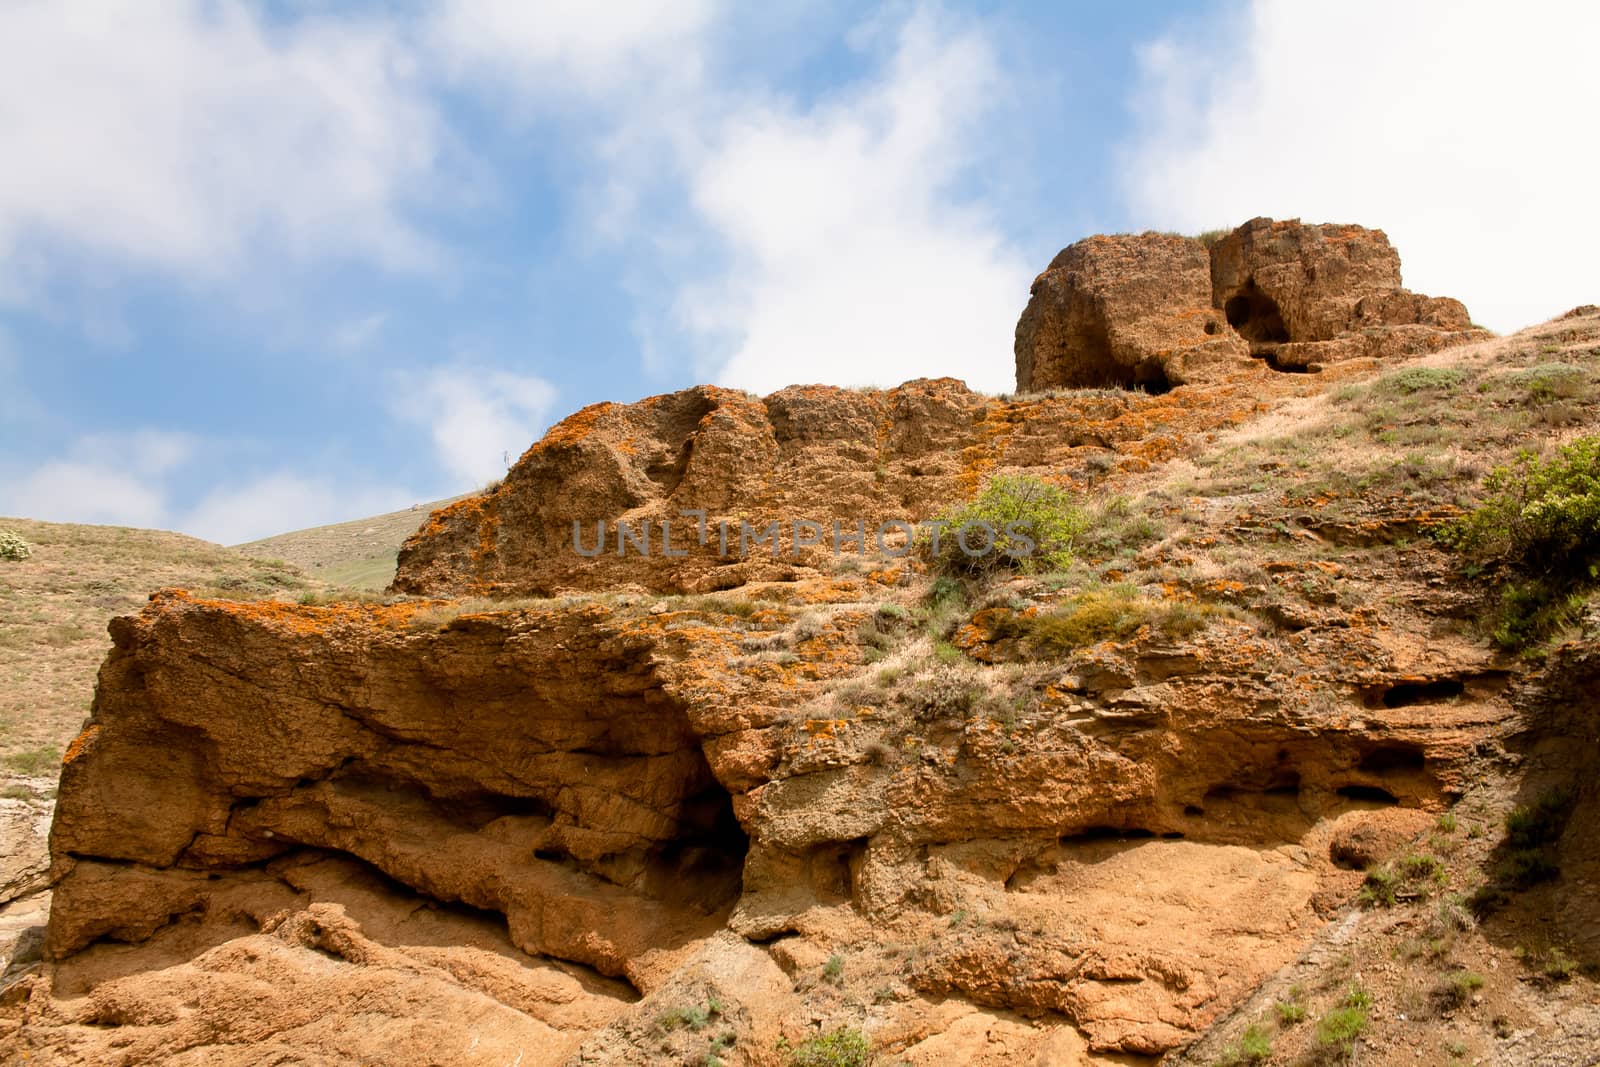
x=1156, y=310
x=1132, y=311
x=504, y=762
x=374, y=832
x=1305, y=294
x=852, y=457
x=622, y=780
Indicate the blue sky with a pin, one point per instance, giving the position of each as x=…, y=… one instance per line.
x=269, y=265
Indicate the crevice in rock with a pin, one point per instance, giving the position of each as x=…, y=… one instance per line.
x=1276, y=781
x=1393, y=759
x=835, y=867
x=1419, y=691
x=1270, y=355
x=1107, y=833
x=1369, y=794
x=679, y=419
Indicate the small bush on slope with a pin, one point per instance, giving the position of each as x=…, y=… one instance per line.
x=1542, y=519
x=844, y=1047
x=13, y=547
x=1017, y=523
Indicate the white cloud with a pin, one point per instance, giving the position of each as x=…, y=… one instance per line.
x=74, y=491
x=190, y=135
x=569, y=47
x=1455, y=126
x=281, y=502
x=852, y=259
x=146, y=453
x=477, y=419
x=103, y=478
x=357, y=333
x=125, y=480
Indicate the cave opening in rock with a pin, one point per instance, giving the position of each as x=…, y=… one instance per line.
x=706, y=859
x=1272, y=361
x=1368, y=794
x=1392, y=759
x=1255, y=316
x=1151, y=377
x=1422, y=692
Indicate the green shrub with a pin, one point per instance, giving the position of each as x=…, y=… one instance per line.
x=833, y=970
x=1339, y=1029
x=844, y=1047
x=1380, y=888
x=693, y=1017
x=13, y=547
x=1420, y=867
x=1456, y=989
x=1541, y=517
x=1558, y=965
x=1017, y=523
x=1420, y=379
x=1412, y=875
x=1554, y=381
x=1539, y=823
x=1524, y=867
x=1116, y=527
x=1254, y=1046
x=1290, y=1012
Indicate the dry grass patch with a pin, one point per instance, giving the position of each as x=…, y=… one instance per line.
x=1116, y=613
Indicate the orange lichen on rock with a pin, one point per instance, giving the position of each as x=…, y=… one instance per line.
x=576, y=427
x=317, y=618
x=81, y=743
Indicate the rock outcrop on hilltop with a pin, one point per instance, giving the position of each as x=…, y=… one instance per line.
x=1157, y=310
x=1306, y=295
x=814, y=453
x=1132, y=311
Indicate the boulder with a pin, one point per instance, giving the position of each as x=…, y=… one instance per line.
x=1302, y=294
x=1130, y=311
x=1151, y=311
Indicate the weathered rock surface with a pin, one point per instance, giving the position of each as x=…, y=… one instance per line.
x=1306, y=294
x=1157, y=310
x=612, y=778
x=24, y=855
x=1133, y=311
x=828, y=455
x=531, y=765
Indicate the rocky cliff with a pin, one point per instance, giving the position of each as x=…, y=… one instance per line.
x=725, y=806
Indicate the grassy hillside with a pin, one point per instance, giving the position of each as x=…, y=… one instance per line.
x=359, y=554
x=54, y=607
